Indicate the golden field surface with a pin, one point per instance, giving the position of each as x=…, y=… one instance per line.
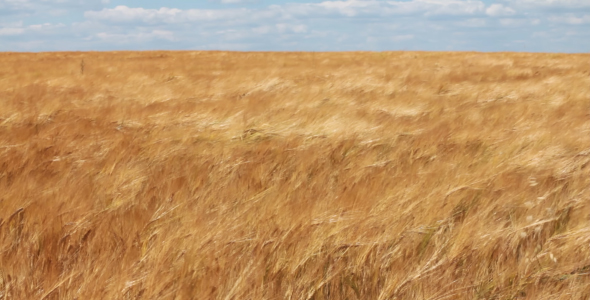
x=219, y=175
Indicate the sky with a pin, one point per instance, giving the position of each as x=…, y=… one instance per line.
x=296, y=25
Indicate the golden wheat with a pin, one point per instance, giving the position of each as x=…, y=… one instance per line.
x=216, y=175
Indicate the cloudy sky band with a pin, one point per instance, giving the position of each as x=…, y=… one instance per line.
x=503, y=25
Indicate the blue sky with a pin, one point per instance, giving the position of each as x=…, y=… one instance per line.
x=296, y=25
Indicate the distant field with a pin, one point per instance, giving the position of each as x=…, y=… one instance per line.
x=217, y=175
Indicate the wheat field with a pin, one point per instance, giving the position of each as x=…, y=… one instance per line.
x=226, y=175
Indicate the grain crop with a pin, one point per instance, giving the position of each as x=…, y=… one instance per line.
x=236, y=175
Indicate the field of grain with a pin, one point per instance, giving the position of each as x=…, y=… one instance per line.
x=219, y=175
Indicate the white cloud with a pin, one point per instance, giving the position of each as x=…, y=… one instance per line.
x=124, y=14
x=563, y=4
x=43, y=8
x=349, y=8
x=513, y=22
x=18, y=23
x=41, y=3
x=35, y=28
x=235, y=1
x=283, y=28
x=45, y=26
x=352, y=8
x=136, y=37
x=11, y=7
x=456, y=8
x=404, y=37
x=474, y=22
x=279, y=28
x=571, y=19
x=11, y=31
x=499, y=10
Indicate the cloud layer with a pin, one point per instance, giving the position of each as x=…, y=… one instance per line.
x=513, y=25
